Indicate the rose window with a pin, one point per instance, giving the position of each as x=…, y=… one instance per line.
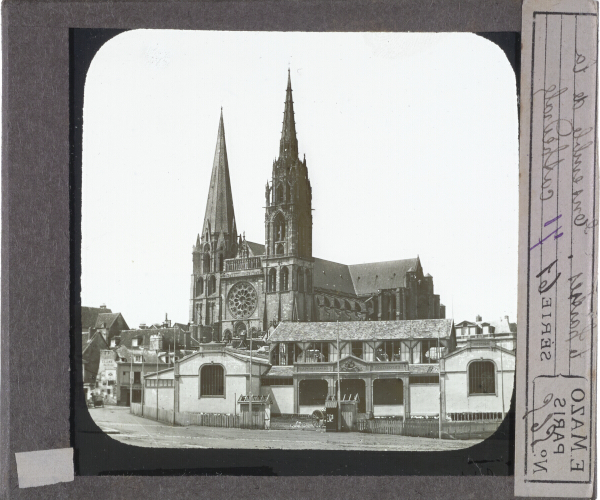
x=242, y=300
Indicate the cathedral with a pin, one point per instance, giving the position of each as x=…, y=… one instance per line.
x=238, y=286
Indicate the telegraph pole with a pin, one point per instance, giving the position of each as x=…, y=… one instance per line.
x=339, y=388
x=250, y=392
x=131, y=379
x=439, y=356
x=501, y=379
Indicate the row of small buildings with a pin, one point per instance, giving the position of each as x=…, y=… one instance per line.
x=405, y=368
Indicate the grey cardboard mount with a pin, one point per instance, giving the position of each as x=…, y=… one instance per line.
x=35, y=348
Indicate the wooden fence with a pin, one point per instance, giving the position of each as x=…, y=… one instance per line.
x=243, y=420
x=381, y=426
x=429, y=428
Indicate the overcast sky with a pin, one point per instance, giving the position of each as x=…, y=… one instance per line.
x=410, y=140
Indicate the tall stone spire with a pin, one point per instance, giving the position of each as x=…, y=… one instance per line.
x=288, y=145
x=219, y=216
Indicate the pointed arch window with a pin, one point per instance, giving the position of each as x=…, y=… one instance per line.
x=300, y=279
x=283, y=279
x=206, y=263
x=347, y=305
x=279, y=249
x=308, y=282
x=279, y=194
x=272, y=281
x=279, y=227
x=336, y=303
x=326, y=302
x=199, y=286
x=212, y=285
x=220, y=262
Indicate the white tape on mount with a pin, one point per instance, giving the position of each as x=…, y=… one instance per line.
x=41, y=468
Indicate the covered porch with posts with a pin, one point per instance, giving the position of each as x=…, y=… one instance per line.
x=381, y=390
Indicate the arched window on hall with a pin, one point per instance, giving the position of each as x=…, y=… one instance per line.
x=272, y=280
x=308, y=282
x=279, y=249
x=212, y=380
x=326, y=302
x=206, y=263
x=357, y=307
x=482, y=377
x=288, y=190
x=199, y=286
x=220, y=262
x=283, y=279
x=279, y=194
x=300, y=279
x=212, y=285
x=279, y=227
x=336, y=303
x=347, y=305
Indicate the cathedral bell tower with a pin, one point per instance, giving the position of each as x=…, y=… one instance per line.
x=288, y=229
x=217, y=242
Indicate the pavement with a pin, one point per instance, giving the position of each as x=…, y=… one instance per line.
x=127, y=428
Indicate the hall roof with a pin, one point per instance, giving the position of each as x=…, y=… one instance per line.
x=362, y=330
x=374, y=276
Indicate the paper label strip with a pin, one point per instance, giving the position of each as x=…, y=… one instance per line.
x=556, y=386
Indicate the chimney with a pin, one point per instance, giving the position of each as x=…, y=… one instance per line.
x=506, y=318
x=142, y=326
x=478, y=318
x=156, y=342
x=102, y=306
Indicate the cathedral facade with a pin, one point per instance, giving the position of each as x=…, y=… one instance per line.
x=238, y=286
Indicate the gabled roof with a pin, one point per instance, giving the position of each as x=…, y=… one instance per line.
x=149, y=357
x=91, y=356
x=256, y=248
x=169, y=335
x=465, y=323
x=89, y=315
x=481, y=345
x=106, y=320
x=362, y=330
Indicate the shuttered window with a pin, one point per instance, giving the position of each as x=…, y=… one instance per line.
x=482, y=377
x=212, y=381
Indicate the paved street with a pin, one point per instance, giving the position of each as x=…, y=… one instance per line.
x=129, y=429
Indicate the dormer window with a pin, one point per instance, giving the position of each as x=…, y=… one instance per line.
x=137, y=359
x=134, y=342
x=113, y=342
